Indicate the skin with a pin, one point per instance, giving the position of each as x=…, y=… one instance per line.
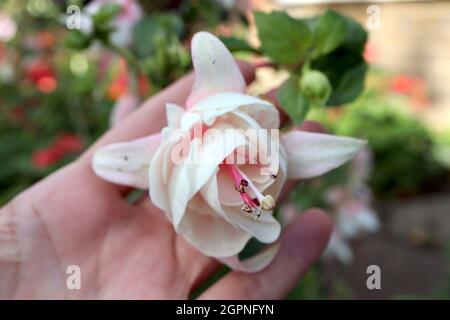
x=130, y=251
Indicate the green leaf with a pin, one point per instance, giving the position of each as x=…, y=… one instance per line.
x=356, y=36
x=284, y=39
x=156, y=30
x=76, y=40
x=292, y=101
x=330, y=31
x=252, y=248
x=346, y=77
x=106, y=14
x=145, y=34
x=236, y=44
x=350, y=86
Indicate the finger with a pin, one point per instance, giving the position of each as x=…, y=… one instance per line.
x=302, y=244
x=197, y=268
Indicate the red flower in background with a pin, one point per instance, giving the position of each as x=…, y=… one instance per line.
x=403, y=84
x=64, y=144
x=370, y=53
x=44, y=157
x=120, y=84
x=68, y=143
x=144, y=86
x=412, y=87
x=17, y=114
x=45, y=40
x=41, y=75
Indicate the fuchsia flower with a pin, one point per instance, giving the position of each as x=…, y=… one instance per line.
x=218, y=205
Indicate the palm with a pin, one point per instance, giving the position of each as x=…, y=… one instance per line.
x=123, y=250
x=126, y=250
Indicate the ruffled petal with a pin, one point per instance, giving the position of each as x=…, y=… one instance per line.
x=215, y=68
x=254, y=264
x=126, y=163
x=159, y=172
x=265, y=229
x=211, y=234
x=208, y=109
x=174, y=113
x=313, y=154
x=204, y=157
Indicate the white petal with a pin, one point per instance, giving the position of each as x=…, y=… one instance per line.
x=210, y=192
x=265, y=228
x=211, y=234
x=368, y=220
x=126, y=163
x=189, y=177
x=174, y=113
x=215, y=68
x=339, y=248
x=255, y=263
x=159, y=172
x=208, y=109
x=313, y=154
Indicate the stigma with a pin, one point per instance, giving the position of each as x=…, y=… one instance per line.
x=253, y=206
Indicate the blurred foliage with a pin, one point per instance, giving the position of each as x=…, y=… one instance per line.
x=59, y=84
x=441, y=148
x=310, y=287
x=404, y=163
x=408, y=157
x=309, y=49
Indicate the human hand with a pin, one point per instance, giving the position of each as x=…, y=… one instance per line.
x=129, y=250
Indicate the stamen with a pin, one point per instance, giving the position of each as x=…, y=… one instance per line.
x=241, y=183
x=250, y=184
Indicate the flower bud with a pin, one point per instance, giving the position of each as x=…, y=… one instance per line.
x=316, y=87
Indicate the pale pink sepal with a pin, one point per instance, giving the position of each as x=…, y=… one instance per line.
x=127, y=163
x=313, y=154
x=215, y=69
x=254, y=264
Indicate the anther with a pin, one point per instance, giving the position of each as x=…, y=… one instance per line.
x=246, y=208
x=244, y=183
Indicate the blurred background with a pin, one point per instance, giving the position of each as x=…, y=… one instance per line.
x=61, y=87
